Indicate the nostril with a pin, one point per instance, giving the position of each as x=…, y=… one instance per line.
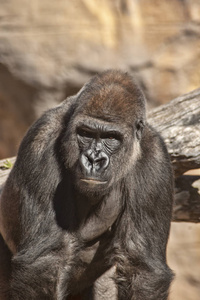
x=86, y=162
x=90, y=156
x=90, y=159
x=101, y=163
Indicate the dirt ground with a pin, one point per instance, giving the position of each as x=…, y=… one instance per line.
x=184, y=260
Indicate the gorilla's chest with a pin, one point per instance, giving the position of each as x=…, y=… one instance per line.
x=91, y=263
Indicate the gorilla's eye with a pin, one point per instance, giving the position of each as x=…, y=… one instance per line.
x=85, y=133
x=111, y=140
x=112, y=136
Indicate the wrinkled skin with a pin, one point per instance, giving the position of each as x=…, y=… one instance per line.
x=86, y=210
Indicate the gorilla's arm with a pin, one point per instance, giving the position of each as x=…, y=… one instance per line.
x=27, y=219
x=142, y=273
x=34, y=176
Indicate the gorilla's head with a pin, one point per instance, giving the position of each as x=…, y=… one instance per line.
x=103, y=139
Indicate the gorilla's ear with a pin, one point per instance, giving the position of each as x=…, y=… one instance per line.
x=139, y=129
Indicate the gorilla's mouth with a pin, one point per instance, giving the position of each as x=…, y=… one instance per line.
x=93, y=181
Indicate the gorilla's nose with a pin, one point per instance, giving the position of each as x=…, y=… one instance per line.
x=94, y=161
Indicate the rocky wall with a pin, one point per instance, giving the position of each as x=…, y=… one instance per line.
x=48, y=49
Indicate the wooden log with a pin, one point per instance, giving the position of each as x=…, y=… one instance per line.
x=179, y=124
x=187, y=199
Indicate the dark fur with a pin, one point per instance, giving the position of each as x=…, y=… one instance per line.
x=62, y=235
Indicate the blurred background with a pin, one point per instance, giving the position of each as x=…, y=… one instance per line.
x=49, y=49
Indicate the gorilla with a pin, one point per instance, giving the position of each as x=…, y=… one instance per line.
x=91, y=191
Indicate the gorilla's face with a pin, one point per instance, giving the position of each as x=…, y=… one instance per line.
x=100, y=152
x=99, y=144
